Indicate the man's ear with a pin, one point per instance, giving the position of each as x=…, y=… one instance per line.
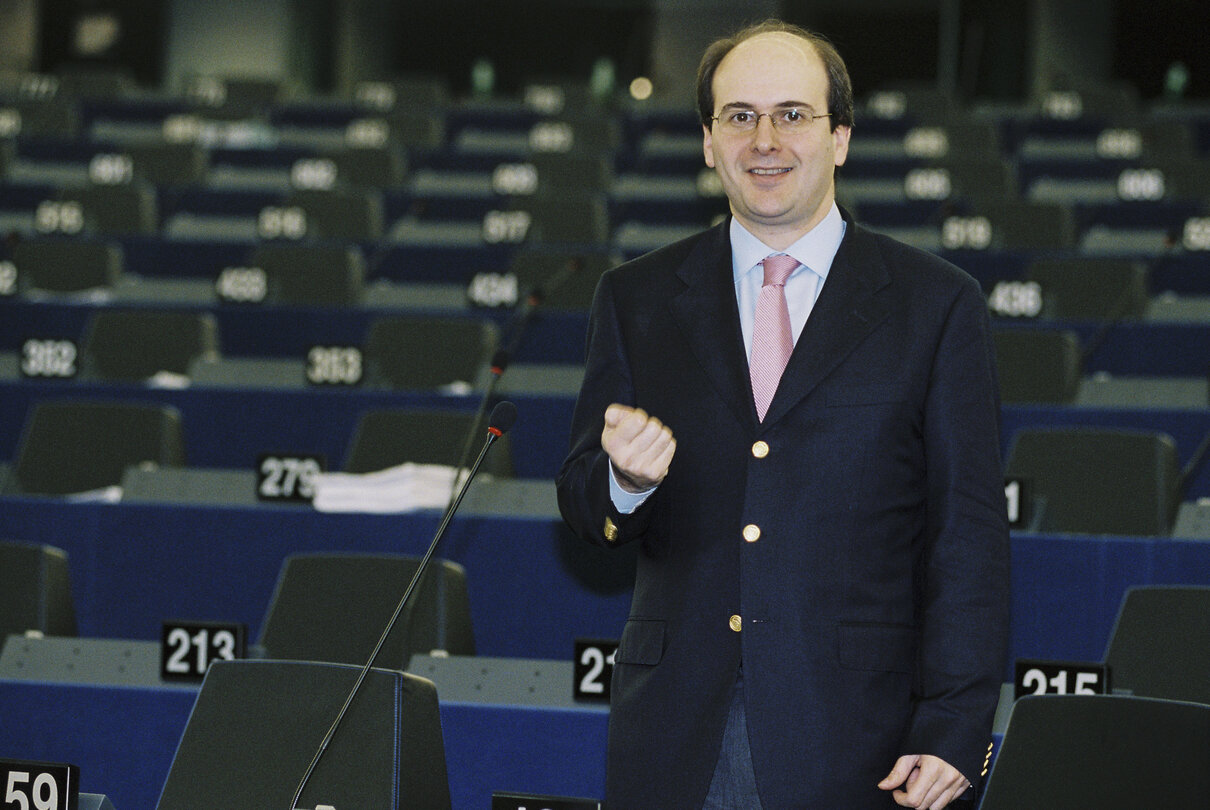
x=708, y=146
x=840, y=143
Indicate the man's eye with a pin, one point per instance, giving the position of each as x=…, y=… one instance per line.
x=741, y=117
x=792, y=116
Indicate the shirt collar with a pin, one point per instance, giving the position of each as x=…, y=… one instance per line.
x=814, y=250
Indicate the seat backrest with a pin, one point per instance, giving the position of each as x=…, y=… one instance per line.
x=1099, y=481
x=1038, y=365
x=560, y=172
x=1091, y=288
x=567, y=279
x=67, y=265
x=1021, y=224
x=347, y=214
x=120, y=210
x=77, y=445
x=257, y=724
x=329, y=275
x=1109, y=752
x=335, y=607
x=388, y=438
x=35, y=590
x=137, y=344
x=169, y=164
x=1160, y=644
x=428, y=353
x=571, y=217
x=370, y=167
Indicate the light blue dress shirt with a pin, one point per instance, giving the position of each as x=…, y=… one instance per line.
x=814, y=251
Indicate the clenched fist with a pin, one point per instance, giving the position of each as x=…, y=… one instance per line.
x=640, y=447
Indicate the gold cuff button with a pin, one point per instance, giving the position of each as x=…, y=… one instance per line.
x=760, y=449
x=752, y=532
x=735, y=622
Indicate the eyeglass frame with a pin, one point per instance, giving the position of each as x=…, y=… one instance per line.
x=772, y=121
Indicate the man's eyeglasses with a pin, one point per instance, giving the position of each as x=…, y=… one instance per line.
x=788, y=120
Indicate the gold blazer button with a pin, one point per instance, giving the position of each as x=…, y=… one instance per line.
x=760, y=449
x=752, y=532
x=736, y=623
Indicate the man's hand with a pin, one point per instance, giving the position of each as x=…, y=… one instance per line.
x=640, y=447
x=926, y=782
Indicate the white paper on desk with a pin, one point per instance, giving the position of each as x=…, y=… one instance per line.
x=397, y=489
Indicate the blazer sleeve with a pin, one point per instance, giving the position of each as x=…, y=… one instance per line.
x=963, y=575
x=583, y=480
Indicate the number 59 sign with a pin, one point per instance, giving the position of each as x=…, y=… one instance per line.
x=39, y=785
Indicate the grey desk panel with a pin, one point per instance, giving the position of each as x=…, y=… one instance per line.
x=106, y=662
x=244, y=372
x=190, y=291
x=528, y=498
x=541, y=378
x=1178, y=309
x=461, y=679
x=1179, y=393
x=502, y=681
x=189, y=486
x=1193, y=520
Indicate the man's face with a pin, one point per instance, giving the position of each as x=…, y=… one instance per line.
x=779, y=185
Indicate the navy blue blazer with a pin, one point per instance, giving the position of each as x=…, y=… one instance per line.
x=851, y=550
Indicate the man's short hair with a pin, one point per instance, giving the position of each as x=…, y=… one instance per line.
x=840, y=87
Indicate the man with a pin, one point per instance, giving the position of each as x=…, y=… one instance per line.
x=819, y=617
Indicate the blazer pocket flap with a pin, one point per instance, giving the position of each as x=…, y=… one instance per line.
x=642, y=642
x=869, y=394
x=876, y=647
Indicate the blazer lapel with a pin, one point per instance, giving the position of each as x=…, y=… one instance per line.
x=708, y=316
x=849, y=308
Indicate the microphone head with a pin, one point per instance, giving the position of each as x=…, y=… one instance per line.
x=499, y=361
x=502, y=418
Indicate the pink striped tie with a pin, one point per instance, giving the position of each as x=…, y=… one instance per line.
x=772, y=341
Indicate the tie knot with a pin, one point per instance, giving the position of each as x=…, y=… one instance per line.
x=778, y=268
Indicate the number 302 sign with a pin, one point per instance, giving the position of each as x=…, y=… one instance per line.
x=39, y=785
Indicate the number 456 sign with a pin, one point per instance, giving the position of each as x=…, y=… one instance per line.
x=39, y=785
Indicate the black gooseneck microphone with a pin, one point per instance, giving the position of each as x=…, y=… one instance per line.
x=503, y=416
x=498, y=365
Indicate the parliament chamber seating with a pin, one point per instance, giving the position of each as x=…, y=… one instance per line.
x=35, y=590
x=1112, y=752
x=334, y=607
x=1160, y=643
x=134, y=218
